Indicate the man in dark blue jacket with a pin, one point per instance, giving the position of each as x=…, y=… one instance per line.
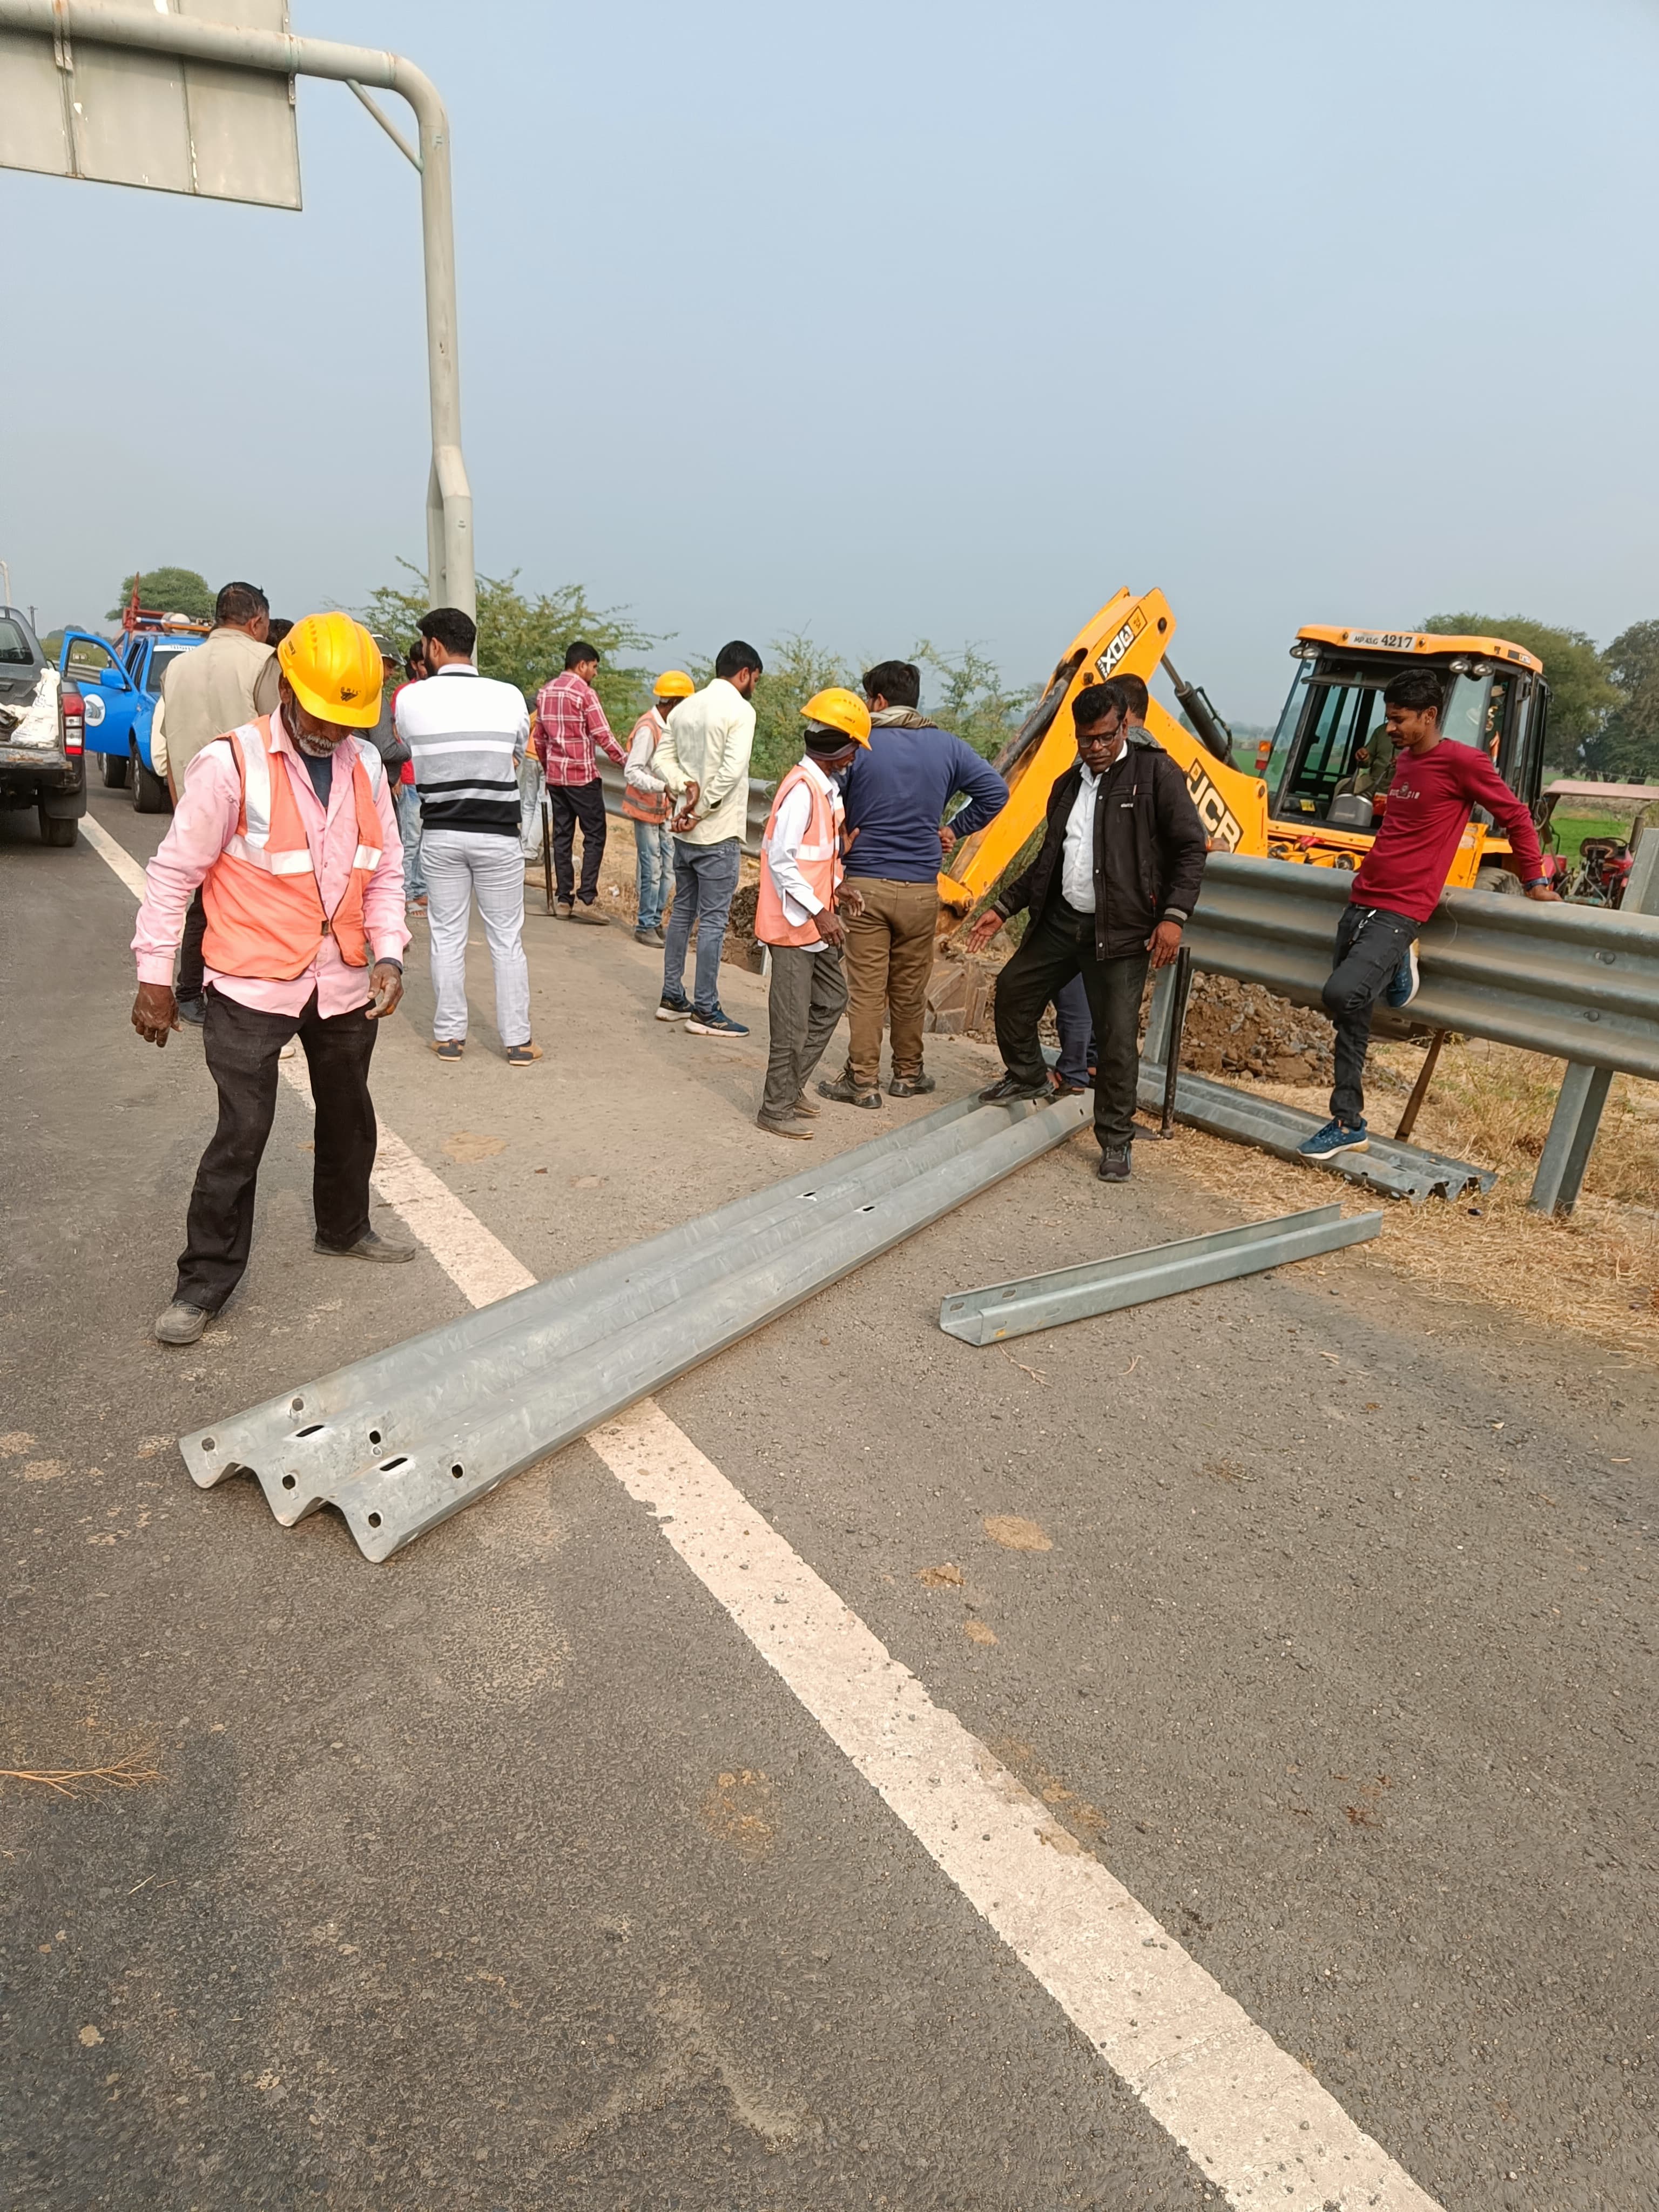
x=897, y=794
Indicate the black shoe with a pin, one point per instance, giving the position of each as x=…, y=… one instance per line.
x=1010, y=1091
x=193, y=1010
x=1114, y=1166
x=1061, y=1088
x=369, y=1245
x=846, y=1092
x=911, y=1086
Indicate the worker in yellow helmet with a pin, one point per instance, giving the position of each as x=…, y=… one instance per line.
x=648, y=806
x=286, y=825
x=801, y=902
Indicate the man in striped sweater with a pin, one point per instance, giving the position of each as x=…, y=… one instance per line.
x=465, y=734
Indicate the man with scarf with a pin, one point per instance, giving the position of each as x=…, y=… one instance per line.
x=895, y=796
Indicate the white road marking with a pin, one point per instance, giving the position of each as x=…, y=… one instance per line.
x=115, y=856
x=1250, y=2115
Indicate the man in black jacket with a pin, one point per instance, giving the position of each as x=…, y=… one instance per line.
x=1116, y=878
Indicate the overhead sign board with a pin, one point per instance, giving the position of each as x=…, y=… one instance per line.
x=118, y=116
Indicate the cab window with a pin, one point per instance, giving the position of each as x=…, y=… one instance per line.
x=1343, y=707
x=13, y=647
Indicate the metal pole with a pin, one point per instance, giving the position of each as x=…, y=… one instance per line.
x=1420, y=1088
x=547, y=848
x=1183, y=984
x=1566, y=1151
x=450, y=578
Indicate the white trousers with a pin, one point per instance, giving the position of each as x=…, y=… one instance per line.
x=461, y=866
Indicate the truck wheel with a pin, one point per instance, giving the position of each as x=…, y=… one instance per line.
x=149, y=792
x=1497, y=879
x=55, y=830
x=115, y=771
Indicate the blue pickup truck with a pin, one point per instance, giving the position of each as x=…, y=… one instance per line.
x=120, y=680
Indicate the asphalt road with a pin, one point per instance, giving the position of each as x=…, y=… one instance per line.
x=508, y=1875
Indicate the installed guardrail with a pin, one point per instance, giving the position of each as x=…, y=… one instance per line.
x=1578, y=983
x=760, y=802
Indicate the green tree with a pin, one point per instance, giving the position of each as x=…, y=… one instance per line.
x=174, y=591
x=795, y=669
x=1582, y=695
x=522, y=641
x=1625, y=749
x=972, y=701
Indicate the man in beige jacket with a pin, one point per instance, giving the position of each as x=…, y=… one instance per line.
x=704, y=759
x=228, y=679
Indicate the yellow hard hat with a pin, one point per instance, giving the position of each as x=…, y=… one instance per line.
x=673, y=684
x=839, y=709
x=334, y=665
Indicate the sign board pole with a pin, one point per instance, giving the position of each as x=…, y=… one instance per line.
x=450, y=581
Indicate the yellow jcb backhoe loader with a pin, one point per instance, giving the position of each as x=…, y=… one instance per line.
x=1497, y=698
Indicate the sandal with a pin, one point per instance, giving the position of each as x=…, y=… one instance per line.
x=449, y=1048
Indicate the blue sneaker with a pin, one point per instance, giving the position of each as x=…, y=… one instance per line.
x=1404, y=987
x=1335, y=1137
x=674, y=1007
x=716, y=1025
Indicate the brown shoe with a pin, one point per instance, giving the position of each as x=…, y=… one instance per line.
x=590, y=914
x=563, y=910
x=522, y=1055
x=804, y=1110
x=791, y=1128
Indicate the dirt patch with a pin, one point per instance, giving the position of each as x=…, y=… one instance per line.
x=1240, y=1029
x=1594, y=1271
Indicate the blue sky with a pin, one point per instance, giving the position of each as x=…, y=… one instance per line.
x=900, y=320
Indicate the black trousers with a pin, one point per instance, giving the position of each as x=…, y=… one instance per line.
x=191, y=969
x=1058, y=945
x=573, y=803
x=242, y=1047
x=1371, y=943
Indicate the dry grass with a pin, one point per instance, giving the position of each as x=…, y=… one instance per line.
x=132, y=1770
x=1595, y=1271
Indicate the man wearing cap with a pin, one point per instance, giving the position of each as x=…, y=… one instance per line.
x=287, y=826
x=648, y=806
x=797, y=916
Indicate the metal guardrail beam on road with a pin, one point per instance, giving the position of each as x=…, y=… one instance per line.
x=404, y=1440
x=1000, y=1310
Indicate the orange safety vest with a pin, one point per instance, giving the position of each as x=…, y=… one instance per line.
x=818, y=856
x=638, y=805
x=265, y=910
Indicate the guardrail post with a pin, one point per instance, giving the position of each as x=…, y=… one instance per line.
x=1156, y=1048
x=1566, y=1151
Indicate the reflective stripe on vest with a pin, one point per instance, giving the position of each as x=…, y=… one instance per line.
x=818, y=856
x=263, y=917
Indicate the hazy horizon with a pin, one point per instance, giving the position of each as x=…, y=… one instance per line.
x=898, y=322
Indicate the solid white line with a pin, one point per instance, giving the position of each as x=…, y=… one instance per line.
x=1254, y=2119
x=115, y=856
x=1249, y=2115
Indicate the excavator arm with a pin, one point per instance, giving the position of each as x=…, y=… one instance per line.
x=1128, y=636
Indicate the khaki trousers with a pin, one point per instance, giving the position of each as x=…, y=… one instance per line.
x=889, y=957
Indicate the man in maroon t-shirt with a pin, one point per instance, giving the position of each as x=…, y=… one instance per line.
x=1437, y=784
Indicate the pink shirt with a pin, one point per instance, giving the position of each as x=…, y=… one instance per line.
x=209, y=809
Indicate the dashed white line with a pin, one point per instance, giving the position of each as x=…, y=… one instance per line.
x=1250, y=2115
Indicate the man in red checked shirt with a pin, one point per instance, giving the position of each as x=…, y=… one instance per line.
x=1436, y=785
x=567, y=723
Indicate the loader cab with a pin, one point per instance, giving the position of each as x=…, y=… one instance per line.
x=1497, y=699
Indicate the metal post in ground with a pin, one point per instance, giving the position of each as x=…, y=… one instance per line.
x=547, y=848
x=1420, y=1088
x=1566, y=1153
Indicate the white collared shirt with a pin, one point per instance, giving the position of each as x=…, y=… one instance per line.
x=1076, y=859
x=799, y=900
